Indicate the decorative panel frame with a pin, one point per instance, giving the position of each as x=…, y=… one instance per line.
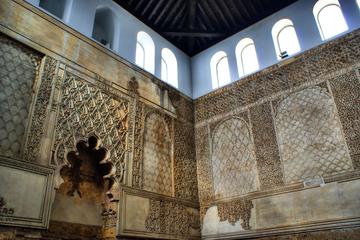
x=34, y=216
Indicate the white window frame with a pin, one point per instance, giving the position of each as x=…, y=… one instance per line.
x=319, y=7
x=278, y=27
x=240, y=47
x=217, y=80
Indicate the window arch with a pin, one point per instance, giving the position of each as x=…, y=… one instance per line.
x=104, y=26
x=246, y=57
x=169, y=67
x=57, y=8
x=329, y=18
x=145, y=52
x=220, y=72
x=285, y=38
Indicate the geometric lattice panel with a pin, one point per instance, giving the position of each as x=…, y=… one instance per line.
x=86, y=110
x=157, y=163
x=17, y=75
x=310, y=138
x=233, y=160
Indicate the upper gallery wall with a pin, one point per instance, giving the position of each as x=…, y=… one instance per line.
x=301, y=15
x=109, y=24
x=120, y=30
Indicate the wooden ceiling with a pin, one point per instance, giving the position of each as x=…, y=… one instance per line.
x=195, y=25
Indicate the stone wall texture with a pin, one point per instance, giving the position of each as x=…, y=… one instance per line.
x=275, y=155
x=303, y=121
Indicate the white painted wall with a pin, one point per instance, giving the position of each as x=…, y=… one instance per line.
x=80, y=15
x=195, y=73
x=301, y=13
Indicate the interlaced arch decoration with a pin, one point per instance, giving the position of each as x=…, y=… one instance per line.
x=86, y=110
x=233, y=159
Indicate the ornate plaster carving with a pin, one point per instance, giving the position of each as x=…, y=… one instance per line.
x=235, y=210
x=39, y=115
x=86, y=110
x=170, y=218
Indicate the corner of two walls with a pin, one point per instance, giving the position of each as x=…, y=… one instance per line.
x=82, y=142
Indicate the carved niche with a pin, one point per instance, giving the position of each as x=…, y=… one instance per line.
x=86, y=110
x=310, y=137
x=19, y=68
x=233, y=159
x=89, y=163
x=157, y=155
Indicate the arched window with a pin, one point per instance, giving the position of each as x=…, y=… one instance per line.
x=285, y=39
x=220, y=72
x=145, y=52
x=329, y=18
x=55, y=7
x=104, y=26
x=169, y=67
x=246, y=57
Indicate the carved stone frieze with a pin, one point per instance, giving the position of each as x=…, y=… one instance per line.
x=138, y=145
x=267, y=155
x=185, y=175
x=348, y=106
x=39, y=115
x=171, y=218
x=204, y=170
x=86, y=110
x=235, y=210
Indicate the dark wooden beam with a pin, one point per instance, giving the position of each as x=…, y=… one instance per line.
x=236, y=11
x=164, y=11
x=180, y=16
x=175, y=9
x=243, y=8
x=191, y=8
x=215, y=8
x=159, y=7
x=205, y=19
x=211, y=14
x=194, y=34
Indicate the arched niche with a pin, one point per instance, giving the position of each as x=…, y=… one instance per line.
x=233, y=159
x=104, y=27
x=55, y=7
